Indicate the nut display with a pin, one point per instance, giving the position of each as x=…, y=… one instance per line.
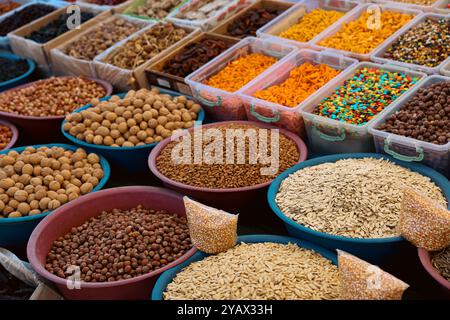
x=51, y=97
x=195, y=55
x=6, y=135
x=158, y=9
x=11, y=69
x=248, y=23
x=257, y=271
x=142, y=117
x=8, y=6
x=38, y=180
x=24, y=16
x=56, y=28
x=120, y=244
x=146, y=45
x=101, y=38
x=427, y=44
x=106, y=2
x=426, y=116
x=202, y=9
x=239, y=173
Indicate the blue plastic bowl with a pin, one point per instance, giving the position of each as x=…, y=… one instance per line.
x=11, y=83
x=167, y=277
x=129, y=158
x=14, y=232
x=372, y=250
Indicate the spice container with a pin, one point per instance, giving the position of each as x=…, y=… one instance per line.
x=124, y=63
x=14, y=70
x=75, y=56
x=36, y=39
x=327, y=135
x=206, y=14
x=261, y=248
x=423, y=5
x=15, y=231
x=151, y=9
x=225, y=186
x=306, y=20
x=249, y=20
x=69, y=216
x=410, y=149
x=426, y=260
x=423, y=46
x=358, y=36
x=288, y=117
x=342, y=171
x=225, y=104
x=169, y=72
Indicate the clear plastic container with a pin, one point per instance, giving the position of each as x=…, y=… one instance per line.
x=432, y=7
x=224, y=105
x=442, y=7
x=327, y=136
x=378, y=54
x=410, y=149
x=445, y=70
x=279, y=115
x=354, y=15
x=294, y=14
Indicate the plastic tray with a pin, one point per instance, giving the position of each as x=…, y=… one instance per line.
x=354, y=15
x=409, y=149
x=373, y=250
x=441, y=7
x=279, y=115
x=424, y=8
x=378, y=54
x=167, y=277
x=224, y=105
x=135, y=4
x=328, y=136
x=20, y=79
x=294, y=14
x=445, y=70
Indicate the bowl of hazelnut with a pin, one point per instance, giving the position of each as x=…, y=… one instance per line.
x=8, y=135
x=39, y=107
x=38, y=179
x=124, y=128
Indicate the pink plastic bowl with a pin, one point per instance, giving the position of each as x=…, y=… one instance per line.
x=43, y=129
x=76, y=213
x=223, y=198
x=15, y=134
x=425, y=259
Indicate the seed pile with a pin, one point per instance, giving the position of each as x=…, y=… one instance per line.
x=12, y=288
x=142, y=117
x=247, y=24
x=101, y=38
x=441, y=261
x=359, y=280
x=211, y=230
x=38, y=180
x=5, y=136
x=241, y=173
x=195, y=55
x=302, y=82
x=423, y=222
x=357, y=198
x=8, y=6
x=257, y=271
x=11, y=69
x=158, y=9
x=311, y=24
x=23, y=17
x=361, y=37
x=146, y=46
x=202, y=9
x=56, y=28
x=241, y=71
x=51, y=97
x=121, y=244
x=425, y=117
x=427, y=44
x=364, y=95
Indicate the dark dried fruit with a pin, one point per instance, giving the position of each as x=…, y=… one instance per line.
x=23, y=17
x=247, y=24
x=10, y=69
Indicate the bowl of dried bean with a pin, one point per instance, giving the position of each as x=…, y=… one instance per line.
x=300, y=269
x=352, y=201
x=437, y=264
x=14, y=70
x=120, y=240
x=38, y=108
x=124, y=128
x=35, y=180
x=8, y=135
x=227, y=184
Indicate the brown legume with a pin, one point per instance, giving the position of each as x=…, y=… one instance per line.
x=6, y=135
x=156, y=9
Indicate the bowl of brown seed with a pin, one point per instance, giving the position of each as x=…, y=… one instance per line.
x=437, y=264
